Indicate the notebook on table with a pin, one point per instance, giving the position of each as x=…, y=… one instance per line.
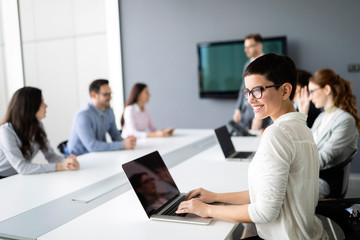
x=228, y=148
x=157, y=191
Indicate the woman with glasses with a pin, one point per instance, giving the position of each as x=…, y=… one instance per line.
x=335, y=130
x=22, y=136
x=283, y=175
x=137, y=120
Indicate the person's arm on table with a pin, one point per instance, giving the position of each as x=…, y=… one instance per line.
x=70, y=163
x=87, y=136
x=16, y=159
x=197, y=199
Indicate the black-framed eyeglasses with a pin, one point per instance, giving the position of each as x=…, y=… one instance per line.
x=257, y=92
x=312, y=91
x=250, y=46
x=105, y=94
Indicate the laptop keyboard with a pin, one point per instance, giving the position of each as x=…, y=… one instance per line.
x=242, y=154
x=172, y=209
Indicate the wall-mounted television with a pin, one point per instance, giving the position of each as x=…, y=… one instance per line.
x=221, y=65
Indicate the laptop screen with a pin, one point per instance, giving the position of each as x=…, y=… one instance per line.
x=151, y=181
x=224, y=140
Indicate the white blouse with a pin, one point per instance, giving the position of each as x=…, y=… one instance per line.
x=283, y=181
x=137, y=122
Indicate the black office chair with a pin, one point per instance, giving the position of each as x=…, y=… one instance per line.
x=338, y=177
x=61, y=147
x=345, y=213
x=237, y=129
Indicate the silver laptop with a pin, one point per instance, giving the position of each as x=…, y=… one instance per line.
x=157, y=191
x=227, y=146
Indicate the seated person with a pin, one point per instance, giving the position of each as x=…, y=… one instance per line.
x=136, y=119
x=283, y=175
x=22, y=136
x=95, y=120
x=303, y=81
x=336, y=129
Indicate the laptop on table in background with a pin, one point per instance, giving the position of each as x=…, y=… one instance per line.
x=158, y=195
x=228, y=148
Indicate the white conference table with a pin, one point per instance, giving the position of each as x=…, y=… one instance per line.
x=122, y=217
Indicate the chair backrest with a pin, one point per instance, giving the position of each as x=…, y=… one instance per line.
x=338, y=177
x=338, y=210
x=61, y=146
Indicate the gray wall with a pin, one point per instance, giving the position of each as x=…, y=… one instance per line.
x=159, y=40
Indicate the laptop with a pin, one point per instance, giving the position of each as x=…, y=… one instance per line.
x=157, y=191
x=227, y=146
x=237, y=129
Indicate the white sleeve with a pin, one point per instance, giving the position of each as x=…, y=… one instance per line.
x=129, y=128
x=275, y=157
x=152, y=126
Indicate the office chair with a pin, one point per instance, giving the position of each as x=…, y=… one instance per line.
x=61, y=147
x=338, y=177
x=345, y=213
x=237, y=129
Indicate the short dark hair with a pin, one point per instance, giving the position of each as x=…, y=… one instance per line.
x=276, y=68
x=96, y=85
x=303, y=78
x=257, y=37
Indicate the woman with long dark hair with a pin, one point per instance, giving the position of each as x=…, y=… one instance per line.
x=336, y=130
x=136, y=120
x=22, y=136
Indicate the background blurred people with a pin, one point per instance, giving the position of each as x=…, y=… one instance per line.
x=136, y=119
x=91, y=124
x=336, y=129
x=22, y=136
x=243, y=114
x=303, y=81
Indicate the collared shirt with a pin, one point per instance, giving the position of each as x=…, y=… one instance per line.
x=137, y=122
x=283, y=181
x=88, y=131
x=12, y=161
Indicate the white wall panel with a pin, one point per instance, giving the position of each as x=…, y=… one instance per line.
x=57, y=78
x=3, y=101
x=65, y=45
x=53, y=18
x=26, y=9
x=91, y=62
x=13, y=68
x=31, y=64
x=89, y=16
x=3, y=94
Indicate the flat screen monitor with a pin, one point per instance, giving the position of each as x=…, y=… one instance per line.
x=221, y=65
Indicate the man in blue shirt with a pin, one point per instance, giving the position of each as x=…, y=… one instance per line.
x=95, y=120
